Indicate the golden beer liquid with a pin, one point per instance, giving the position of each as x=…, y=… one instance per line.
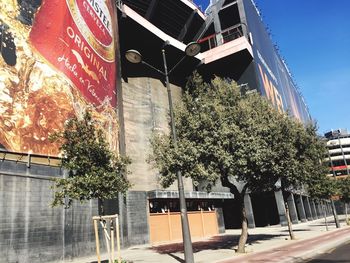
x=37, y=97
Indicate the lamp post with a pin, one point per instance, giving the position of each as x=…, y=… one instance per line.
x=192, y=49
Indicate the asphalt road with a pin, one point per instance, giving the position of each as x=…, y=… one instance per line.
x=340, y=254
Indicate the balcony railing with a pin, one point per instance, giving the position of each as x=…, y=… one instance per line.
x=227, y=35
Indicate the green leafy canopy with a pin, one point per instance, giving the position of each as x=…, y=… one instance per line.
x=344, y=189
x=94, y=172
x=225, y=132
x=229, y=135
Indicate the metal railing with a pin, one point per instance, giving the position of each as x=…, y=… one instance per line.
x=29, y=158
x=227, y=35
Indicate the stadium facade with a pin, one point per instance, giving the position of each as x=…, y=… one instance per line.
x=81, y=64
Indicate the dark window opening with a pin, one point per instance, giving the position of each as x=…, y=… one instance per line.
x=229, y=17
x=209, y=34
x=172, y=205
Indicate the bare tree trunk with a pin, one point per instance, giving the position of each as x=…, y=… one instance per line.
x=335, y=215
x=240, y=197
x=290, y=226
x=346, y=213
x=244, y=234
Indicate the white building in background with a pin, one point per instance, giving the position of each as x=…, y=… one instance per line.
x=338, y=144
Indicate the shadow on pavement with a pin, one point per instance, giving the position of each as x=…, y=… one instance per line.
x=176, y=257
x=213, y=243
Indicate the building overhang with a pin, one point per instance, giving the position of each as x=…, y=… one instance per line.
x=227, y=49
x=164, y=194
x=180, y=19
x=135, y=32
x=152, y=28
x=231, y=60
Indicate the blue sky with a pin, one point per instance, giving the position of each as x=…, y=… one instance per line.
x=314, y=38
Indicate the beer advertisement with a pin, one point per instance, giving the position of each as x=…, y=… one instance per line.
x=57, y=60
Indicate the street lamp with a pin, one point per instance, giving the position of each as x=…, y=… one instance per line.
x=191, y=50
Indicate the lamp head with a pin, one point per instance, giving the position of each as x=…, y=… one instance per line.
x=133, y=56
x=192, y=49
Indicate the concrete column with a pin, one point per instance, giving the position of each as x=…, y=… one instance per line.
x=249, y=211
x=329, y=206
x=220, y=218
x=300, y=207
x=307, y=208
x=217, y=24
x=313, y=210
x=292, y=209
x=322, y=208
x=281, y=207
x=319, y=209
x=242, y=15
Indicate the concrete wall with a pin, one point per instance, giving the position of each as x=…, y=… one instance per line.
x=146, y=108
x=31, y=231
x=340, y=207
x=137, y=214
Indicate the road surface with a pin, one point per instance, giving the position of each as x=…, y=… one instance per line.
x=340, y=254
x=297, y=250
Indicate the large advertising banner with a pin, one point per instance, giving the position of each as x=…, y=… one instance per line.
x=274, y=77
x=57, y=60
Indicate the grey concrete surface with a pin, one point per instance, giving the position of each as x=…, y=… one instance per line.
x=220, y=248
x=31, y=231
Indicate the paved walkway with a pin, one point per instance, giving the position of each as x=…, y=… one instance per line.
x=265, y=244
x=298, y=251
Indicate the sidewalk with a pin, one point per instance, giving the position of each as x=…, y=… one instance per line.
x=265, y=244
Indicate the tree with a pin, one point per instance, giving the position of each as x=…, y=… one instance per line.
x=94, y=172
x=344, y=194
x=344, y=189
x=319, y=184
x=230, y=135
x=323, y=187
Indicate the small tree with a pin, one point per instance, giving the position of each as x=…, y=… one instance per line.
x=94, y=172
x=344, y=194
x=323, y=187
x=319, y=184
x=229, y=135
